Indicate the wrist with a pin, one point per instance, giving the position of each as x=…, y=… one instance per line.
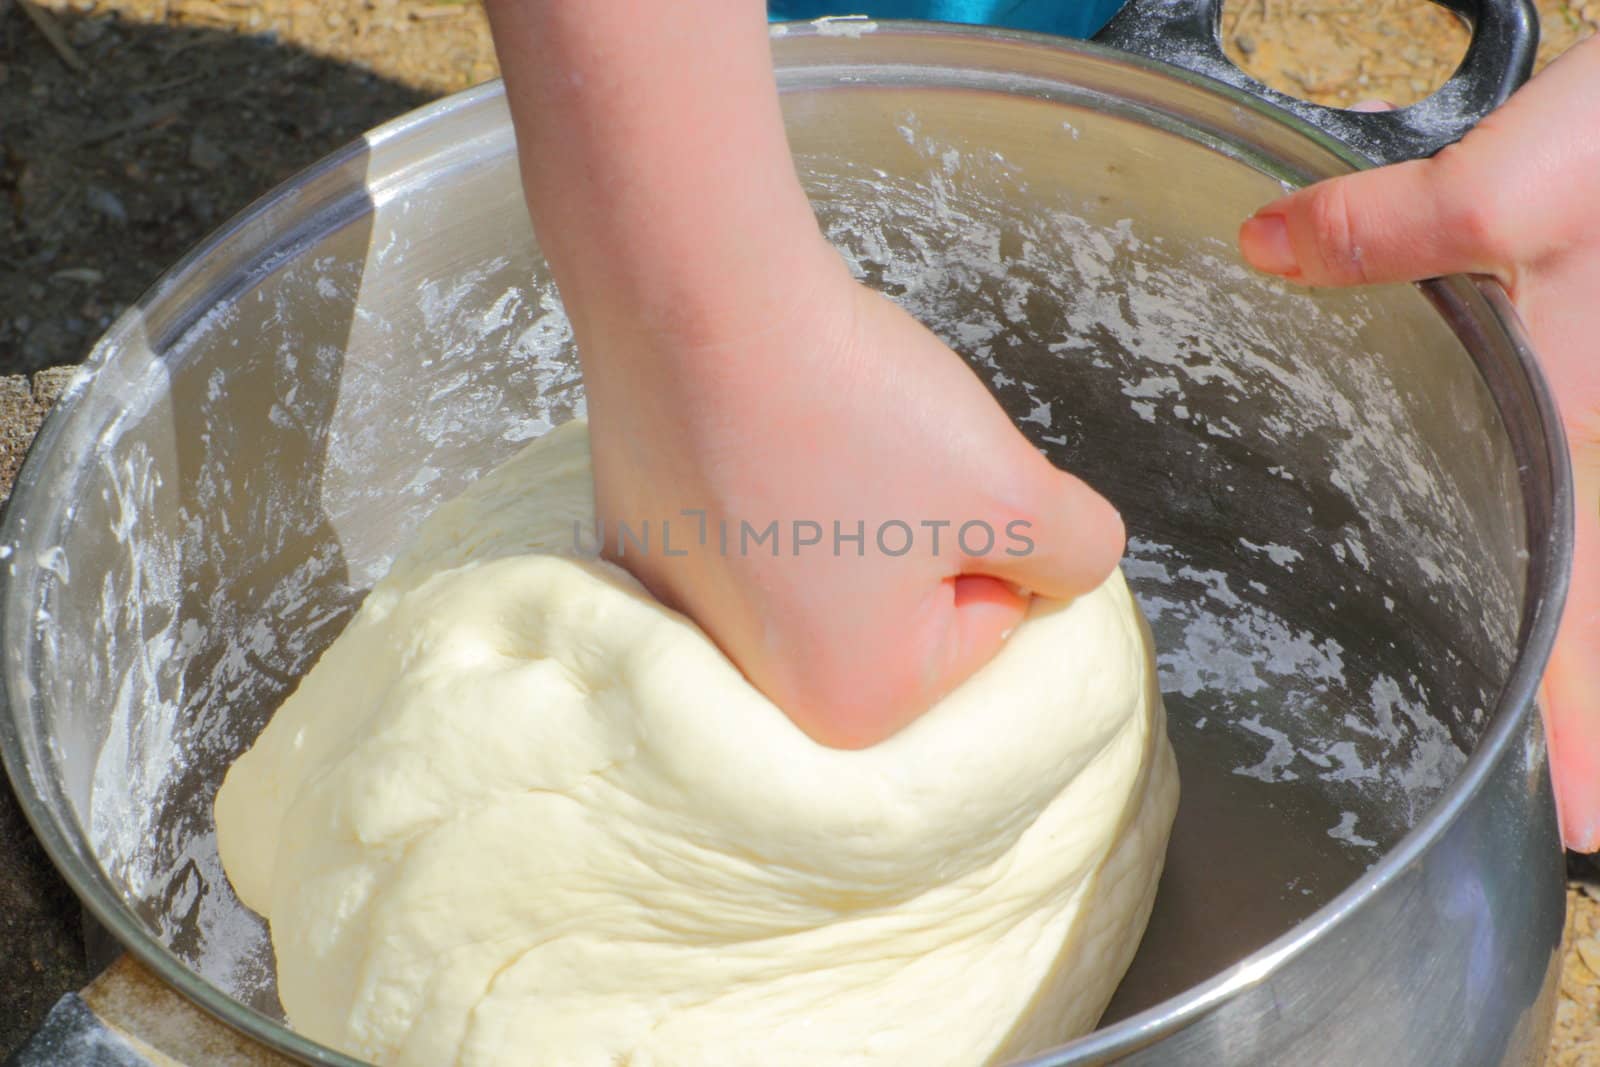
x=724, y=295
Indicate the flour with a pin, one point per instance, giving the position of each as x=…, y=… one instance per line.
x=853, y=26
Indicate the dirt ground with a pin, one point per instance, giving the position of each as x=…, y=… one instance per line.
x=1576, y=1039
x=131, y=128
x=1342, y=52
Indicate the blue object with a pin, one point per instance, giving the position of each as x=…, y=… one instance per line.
x=1069, y=18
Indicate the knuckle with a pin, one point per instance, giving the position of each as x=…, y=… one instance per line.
x=1338, y=241
x=1476, y=220
x=1479, y=226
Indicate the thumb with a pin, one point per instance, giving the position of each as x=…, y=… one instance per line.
x=1063, y=543
x=1065, y=546
x=1390, y=224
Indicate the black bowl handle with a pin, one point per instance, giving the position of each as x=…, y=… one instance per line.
x=1505, y=35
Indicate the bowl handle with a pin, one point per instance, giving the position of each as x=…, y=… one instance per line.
x=1505, y=35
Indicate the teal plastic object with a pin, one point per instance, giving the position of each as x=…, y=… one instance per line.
x=1069, y=18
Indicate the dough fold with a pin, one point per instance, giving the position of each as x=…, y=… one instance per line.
x=519, y=812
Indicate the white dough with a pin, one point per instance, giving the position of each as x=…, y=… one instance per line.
x=520, y=813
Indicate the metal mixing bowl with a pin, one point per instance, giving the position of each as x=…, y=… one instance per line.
x=1349, y=514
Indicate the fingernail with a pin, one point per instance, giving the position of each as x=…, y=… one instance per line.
x=1264, y=240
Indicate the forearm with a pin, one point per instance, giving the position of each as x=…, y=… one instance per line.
x=654, y=161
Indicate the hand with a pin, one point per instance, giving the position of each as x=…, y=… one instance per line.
x=733, y=368
x=1518, y=198
x=842, y=410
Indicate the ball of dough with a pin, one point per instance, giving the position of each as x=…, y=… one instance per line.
x=520, y=812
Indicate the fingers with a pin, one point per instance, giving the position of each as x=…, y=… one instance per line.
x=1520, y=185
x=986, y=611
x=1571, y=693
x=1396, y=223
x=867, y=677
x=1067, y=543
x=1571, y=697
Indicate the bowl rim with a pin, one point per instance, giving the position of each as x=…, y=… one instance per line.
x=1548, y=576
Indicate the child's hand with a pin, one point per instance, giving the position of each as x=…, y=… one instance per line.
x=1519, y=198
x=734, y=368
x=840, y=409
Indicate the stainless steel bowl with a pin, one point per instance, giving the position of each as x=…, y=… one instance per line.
x=1350, y=516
